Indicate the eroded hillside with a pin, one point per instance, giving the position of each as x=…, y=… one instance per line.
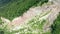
x=36, y=20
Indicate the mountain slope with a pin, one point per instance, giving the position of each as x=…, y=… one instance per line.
x=17, y=8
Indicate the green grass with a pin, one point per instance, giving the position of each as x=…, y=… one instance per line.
x=56, y=26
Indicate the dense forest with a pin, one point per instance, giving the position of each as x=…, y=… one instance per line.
x=15, y=8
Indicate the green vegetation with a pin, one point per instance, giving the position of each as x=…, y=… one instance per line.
x=15, y=8
x=49, y=32
x=18, y=7
x=33, y=26
x=56, y=26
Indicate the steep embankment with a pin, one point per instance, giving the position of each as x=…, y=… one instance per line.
x=56, y=26
x=15, y=8
x=37, y=20
x=56, y=23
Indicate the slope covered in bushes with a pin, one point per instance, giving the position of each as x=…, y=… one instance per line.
x=56, y=26
x=16, y=8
